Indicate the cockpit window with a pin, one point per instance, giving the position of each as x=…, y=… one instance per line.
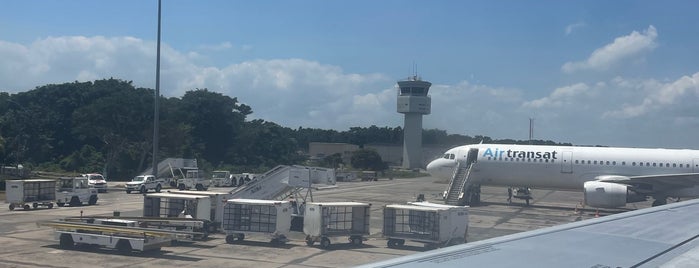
x=451, y=156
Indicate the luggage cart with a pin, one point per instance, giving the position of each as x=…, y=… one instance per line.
x=31, y=193
x=323, y=221
x=435, y=225
x=270, y=217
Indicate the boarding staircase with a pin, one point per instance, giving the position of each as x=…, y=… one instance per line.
x=459, y=183
x=167, y=166
x=283, y=182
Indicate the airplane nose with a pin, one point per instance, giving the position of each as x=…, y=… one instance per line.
x=432, y=167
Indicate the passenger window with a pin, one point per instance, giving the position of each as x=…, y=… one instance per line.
x=607, y=163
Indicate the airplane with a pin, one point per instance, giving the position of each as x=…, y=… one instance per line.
x=663, y=236
x=609, y=177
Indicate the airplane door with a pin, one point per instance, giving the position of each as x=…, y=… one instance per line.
x=567, y=162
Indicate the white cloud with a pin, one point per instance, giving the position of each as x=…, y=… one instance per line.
x=681, y=93
x=299, y=92
x=559, y=96
x=623, y=48
x=569, y=29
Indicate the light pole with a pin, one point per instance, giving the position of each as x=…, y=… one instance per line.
x=156, y=114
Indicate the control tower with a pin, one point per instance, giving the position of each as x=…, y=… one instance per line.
x=413, y=102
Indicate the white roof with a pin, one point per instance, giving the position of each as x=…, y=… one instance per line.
x=411, y=207
x=341, y=204
x=256, y=201
x=180, y=196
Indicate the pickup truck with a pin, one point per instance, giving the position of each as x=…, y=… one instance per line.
x=143, y=183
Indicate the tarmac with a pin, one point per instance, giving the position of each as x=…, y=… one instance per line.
x=24, y=244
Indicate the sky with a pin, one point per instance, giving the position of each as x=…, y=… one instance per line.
x=615, y=73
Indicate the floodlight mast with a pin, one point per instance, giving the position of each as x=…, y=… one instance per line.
x=156, y=113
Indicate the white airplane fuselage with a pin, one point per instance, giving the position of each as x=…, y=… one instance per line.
x=567, y=167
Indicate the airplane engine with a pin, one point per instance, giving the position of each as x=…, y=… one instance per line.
x=605, y=194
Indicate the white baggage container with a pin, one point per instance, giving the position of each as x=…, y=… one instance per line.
x=243, y=216
x=30, y=193
x=323, y=221
x=434, y=225
x=170, y=205
x=218, y=201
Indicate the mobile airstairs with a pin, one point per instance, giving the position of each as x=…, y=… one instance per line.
x=290, y=183
x=463, y=190
x=171, y=168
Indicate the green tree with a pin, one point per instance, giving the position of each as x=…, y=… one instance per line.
x=332, y=161
x=367, y=159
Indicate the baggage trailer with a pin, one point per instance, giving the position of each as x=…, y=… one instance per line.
x=270, y=217
x=435, y=225
x=30, y=193
x=124, y=235
x=171, y=205
x=218, y=201
x=323, y=221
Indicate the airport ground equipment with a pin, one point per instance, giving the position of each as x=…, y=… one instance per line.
x=221, y=178
x=244, y=216
x=194, y=179
x=144, y=183
x=434, y=225
x=463, y=189
x=125, y=235
x=171, y=205
x=75, y=191
x=30, y=193
x=294, y=183
x=170, y=169
x=218, y=201
x=323, y=221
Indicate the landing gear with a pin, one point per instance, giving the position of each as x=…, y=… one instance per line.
x=521, y=193
x=472, y=196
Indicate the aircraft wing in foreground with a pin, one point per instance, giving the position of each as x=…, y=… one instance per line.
x=665, y=236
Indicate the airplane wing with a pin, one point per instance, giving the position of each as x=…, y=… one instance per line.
x=658, y=236
x=662, y=181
